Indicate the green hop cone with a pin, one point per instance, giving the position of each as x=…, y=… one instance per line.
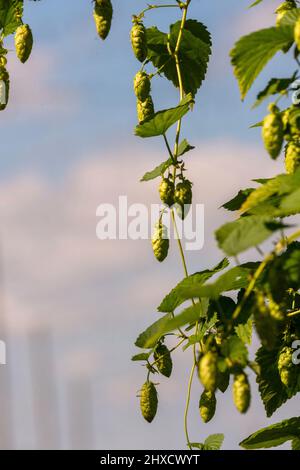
x=139, y=39
x=241, y=393
x=207, y=406
x=145, y=109
x=23, y=42
x=276, y=311
x=142, y=86
x=208, y=371
x=273, y=132
x=148, y=401
x=166, y=191
x=297, y=34
x=282, y=10
x=103, y=13
x=287, y=370
x=160, y=242
x=292, y=156
x=265, y=325
x=291, y=123
x=4, y=87
x=163, y=360
x=183, y=197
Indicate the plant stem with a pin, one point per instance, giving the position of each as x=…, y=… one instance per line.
x=187, y=406
x=154, y=7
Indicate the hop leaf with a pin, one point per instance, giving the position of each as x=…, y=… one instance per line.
x=23, y=42
x=139, y=39
x=208, y=371
x=241, y=393
x=163, y=360
x=160, y=242
x=207, y=406
x=148, y=401
x=272, y=132
x=103, y=13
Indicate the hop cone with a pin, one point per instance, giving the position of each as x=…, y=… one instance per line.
x=23, y=42
x=292, y=156
x=208, y=371
x=145, y=109
x=297, y=34
x=160, y=242
x=183, y=197
x=142, y=86
x=166, y=191
x=273, y=132
x=103, y=13
x=207, y=406
x=241, y=393
x=4, y=87
x=163, y=360
x=148, y=401
x=286, y=368
x=139, y=40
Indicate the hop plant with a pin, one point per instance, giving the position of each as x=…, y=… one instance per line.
x=163, y=360
x=286, y=368
x=292, y=156
x=297, y=34
x=282, y=10
x=160, y=242
x=142, y=86
x=148, y=401
x=103, y=13
x=145, y=109
x=23, y=42
x=207, y=406
x=166, y=191
x=139, y=39
x=273, y=132
x=4, y=85
x=183, y=197
x=276, y=311
x=208, y=371
x=291, y=123
x=241, y=392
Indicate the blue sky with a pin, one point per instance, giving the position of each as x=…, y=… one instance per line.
x=67, y=146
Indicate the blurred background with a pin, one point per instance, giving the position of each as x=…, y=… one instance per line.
x=71, y=306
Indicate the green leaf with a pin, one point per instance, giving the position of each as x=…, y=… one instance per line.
x=244, y=331
x=235, y=350
x=163, y=120
x=194, y=53
x=255, y=3
x=184, y=147
x=290, y=18
x=174, y=298
x=273, y=435
x=236, y=203
x=296, y=444
x=206, y=326
x=213, y=442
x=252, y=52
x=149, y=338
x=291, y=204
x=140, y=357
x=234, y=279
x=158, y=171
x=151, y=335
x=273, y=393
x=8, y=19
x=275, y=85
x=246, y=232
